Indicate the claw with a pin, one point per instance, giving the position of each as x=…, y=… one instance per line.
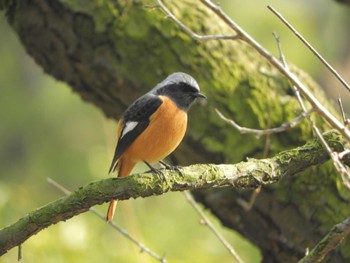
x=172, y=167
x=157, y=171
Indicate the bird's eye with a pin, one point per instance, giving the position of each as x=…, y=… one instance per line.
x=187, y=88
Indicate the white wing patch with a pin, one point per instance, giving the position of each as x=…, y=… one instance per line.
x=129, y=126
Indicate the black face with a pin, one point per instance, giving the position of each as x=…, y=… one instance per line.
x=181, y=93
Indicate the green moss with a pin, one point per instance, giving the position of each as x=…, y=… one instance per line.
x=102, y=11
x=137, y=25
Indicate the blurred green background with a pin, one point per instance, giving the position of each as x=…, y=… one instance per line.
x=48, y=131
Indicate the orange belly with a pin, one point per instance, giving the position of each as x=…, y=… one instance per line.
x=165, y=132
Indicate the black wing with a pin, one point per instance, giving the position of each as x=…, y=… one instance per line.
x=136, y=118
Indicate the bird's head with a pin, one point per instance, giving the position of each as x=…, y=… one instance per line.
x=181, y=88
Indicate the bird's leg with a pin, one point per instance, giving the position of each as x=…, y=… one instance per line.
x=172, y=167
x=156, y=171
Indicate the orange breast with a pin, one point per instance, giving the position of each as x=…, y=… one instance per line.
x=164, y=133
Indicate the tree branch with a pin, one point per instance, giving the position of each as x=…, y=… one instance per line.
x=250, y=174
x=335, y=236
x=259, y=132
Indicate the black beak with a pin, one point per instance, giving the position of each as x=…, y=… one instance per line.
x=200, y=95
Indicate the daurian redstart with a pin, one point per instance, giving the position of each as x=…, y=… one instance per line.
x=154, y=125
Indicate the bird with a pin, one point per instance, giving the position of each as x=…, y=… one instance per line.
x=153, y=126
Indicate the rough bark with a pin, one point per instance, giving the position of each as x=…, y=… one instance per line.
x=110, y=52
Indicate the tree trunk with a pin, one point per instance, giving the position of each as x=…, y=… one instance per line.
x=111, y=52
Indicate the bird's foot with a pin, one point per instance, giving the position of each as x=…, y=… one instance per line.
x=172, y=167
x=157, y=172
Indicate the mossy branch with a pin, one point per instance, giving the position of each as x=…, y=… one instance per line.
x=249, y=174
x=335, y=236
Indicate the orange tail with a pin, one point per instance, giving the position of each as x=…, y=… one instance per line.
x=124, y=168
x=111, y=210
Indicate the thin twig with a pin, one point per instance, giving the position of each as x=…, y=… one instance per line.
x=257, y=132
x=339, y=166
x=341, y=169
x=189, y=31
x=284, y=63
x=342, y=154
x=279, y=46
x=207, y=222
x=247, y=205
x=121, y=230
x=345, y=120
x=313, y=50
x=19, y=255
x=334, y=122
